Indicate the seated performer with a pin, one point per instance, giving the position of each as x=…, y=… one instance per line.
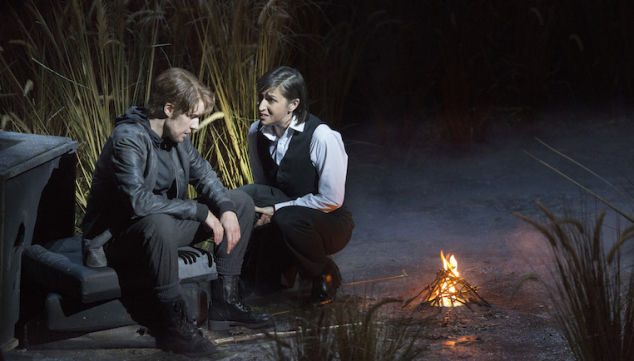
x=299, y=165
x=138, y=211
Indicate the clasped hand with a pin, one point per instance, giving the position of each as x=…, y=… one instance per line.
x=266, y=214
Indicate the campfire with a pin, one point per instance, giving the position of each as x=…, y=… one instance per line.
x=449, y=289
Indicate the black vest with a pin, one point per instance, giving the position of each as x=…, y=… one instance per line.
x=295, y=176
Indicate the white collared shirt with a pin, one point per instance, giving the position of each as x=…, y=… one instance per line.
x=327, y=154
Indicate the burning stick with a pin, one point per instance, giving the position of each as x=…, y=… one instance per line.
x=449, y=289
x=403, y=274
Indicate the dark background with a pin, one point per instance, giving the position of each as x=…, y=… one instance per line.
x=465, y=63
x=458, y=64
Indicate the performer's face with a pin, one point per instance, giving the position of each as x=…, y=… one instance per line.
x=178, y=127
x=275, y=109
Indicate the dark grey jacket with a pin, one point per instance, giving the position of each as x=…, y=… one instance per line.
x=127, y=171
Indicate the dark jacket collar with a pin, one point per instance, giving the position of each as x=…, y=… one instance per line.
x=139, y=115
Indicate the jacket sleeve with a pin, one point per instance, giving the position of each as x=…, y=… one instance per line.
x=129, y=159
x=206, y=182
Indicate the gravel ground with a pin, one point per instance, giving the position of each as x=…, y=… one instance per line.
x=410, y=200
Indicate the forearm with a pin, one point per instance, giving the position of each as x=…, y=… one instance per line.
x=315, y=201
x=206, y=182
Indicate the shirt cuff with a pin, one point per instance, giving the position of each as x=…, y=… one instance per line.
x=201, y=212
x=277, y=206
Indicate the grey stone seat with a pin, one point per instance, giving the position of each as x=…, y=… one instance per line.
x=82, y=299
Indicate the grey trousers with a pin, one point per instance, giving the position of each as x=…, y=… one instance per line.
x=150, y=245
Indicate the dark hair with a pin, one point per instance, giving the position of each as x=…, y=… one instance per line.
x=181, y=88
x=291, y=84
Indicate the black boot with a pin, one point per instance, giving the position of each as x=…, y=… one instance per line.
x=325, y=285
x=177, y=333
x=227, y=308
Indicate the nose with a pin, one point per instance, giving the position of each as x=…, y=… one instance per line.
x=195, y=123
x=262, y=105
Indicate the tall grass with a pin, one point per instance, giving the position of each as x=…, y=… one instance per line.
x=239, y=41
x=82, y=76
x=77, y=64
x=593, y=300
x=351, y=331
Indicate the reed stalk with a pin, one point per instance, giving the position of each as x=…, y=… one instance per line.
x=239, y=41
x=78, y=64
x=368, y=335
x=593, y=299
x=82, y=77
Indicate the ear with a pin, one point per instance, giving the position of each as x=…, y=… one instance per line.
x=168, y=109
x=293, y=105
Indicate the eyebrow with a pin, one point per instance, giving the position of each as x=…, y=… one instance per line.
x=270, y=94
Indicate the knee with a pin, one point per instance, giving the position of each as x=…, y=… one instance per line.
x=245, y=209
x=287, y=220
x=241, y=199
x=249, y=189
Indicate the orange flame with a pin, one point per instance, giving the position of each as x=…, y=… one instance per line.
x=447, y=292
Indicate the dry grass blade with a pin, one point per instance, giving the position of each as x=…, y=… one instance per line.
x=592, y=304
x=89, y=61
x=352, y=330
x=563, y=155
x=623, y=237
x=596, y=237
x=584, y=188
x=541, y=228
x=532, y=277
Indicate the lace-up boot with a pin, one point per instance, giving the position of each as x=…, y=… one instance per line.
x=228, y=309
x=177, y=333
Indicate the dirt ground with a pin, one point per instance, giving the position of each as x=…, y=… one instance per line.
x=413, y=198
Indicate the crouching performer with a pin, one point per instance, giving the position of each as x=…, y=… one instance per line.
x=299, y=165
x=139, y=211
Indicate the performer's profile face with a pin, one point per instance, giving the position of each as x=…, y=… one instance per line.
x=274, y=108
x=178, y=127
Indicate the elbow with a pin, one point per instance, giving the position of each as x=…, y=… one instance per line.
x=138, y=209
x=333, y=203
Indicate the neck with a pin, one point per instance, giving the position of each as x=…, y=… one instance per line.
x=283, y=125
x=157, y=126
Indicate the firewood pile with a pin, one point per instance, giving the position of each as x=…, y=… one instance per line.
x=449, y=289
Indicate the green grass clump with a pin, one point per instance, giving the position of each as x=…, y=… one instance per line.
x=593, y=300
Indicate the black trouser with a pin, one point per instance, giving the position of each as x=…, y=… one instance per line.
x=150, y=244
x=297, y=235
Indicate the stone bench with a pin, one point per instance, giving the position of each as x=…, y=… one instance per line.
x=77, y=298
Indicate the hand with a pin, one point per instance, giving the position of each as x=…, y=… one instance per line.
x=266, y=214
x=266, y=210
x=216, y=227
x=230, y=223
x=264, y=219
